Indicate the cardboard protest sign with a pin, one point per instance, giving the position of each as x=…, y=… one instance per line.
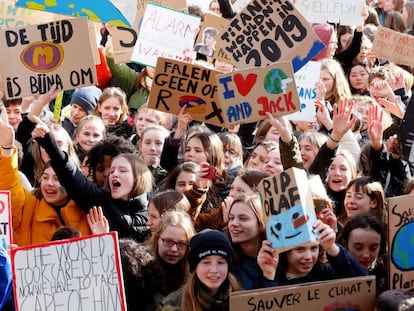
x=289, y=210
x=353, y=294
x=12, y=16
x=207, y=36
x=267, y=32
x=177, y=84
x=305, y=79
x=5, y=219
x=400, y=241
x=333, y=11
x=76, y=274
x=394, y=46
x=164, y=32
x=116, y=12
x=38, y=56
x=247, y=95
x=125, y=38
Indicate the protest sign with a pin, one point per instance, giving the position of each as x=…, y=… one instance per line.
x=247, y=95
x=305, y=79
x=36, y=57
x=353, y=294
x=394, y=46
x=116, y=12
x=267, y=32
x=12, y=16
x=333, y=11
x=289, y=211
x=164, y=32
x=400, y=241
x=177, y=84
x=5, y=218
x=125, y=38
x=76, y=274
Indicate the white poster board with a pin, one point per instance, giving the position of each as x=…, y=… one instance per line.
x=335, y=11
x=306, y=78
x=76, y=274
x=5, y=219
x=164, y=32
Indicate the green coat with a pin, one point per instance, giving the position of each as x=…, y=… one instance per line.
x=125, y=78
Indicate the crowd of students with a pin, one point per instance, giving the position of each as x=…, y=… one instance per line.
x=183, y=195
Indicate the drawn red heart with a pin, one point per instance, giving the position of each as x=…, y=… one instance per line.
x=244, y=86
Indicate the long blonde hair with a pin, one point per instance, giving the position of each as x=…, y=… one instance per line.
x=189, y=300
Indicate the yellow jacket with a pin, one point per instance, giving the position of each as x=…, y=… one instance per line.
x=35, y=221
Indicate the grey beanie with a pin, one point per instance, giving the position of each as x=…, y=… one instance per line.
x=87, y=98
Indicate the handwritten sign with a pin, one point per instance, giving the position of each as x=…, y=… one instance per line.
x=394, y=46
x=125, y=38
x=116, y=12
x=177, y=84
x=265, y=32
x=289, y=210
x=164, y=33
x=306, y=78
x=247, y=95
x=76, y=274
x=5, y=218
x=334, y=11
x=354, y=294
x=400, y=245
x=36, y=57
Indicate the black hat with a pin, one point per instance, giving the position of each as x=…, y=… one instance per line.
x=207, y=243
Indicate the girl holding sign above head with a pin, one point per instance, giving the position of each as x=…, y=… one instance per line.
x=302, y=263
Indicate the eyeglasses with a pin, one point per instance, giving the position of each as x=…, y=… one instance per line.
x=170, y=243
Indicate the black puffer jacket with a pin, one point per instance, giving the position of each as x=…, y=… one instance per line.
x=128, y=218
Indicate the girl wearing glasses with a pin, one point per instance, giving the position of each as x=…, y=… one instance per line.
x=171, y=245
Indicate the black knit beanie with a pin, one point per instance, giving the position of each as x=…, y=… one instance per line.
x=207, y=243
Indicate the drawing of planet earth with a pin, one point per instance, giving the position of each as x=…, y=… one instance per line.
x=403, y=248
x=273, y=81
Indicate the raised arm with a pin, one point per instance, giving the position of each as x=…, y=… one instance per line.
x=78, y=186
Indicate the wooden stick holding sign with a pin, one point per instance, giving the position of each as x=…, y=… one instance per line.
x=38, y=56
x=75, y=274
x=177, y=84
x=265, y=32
x=289, y=210
x=247, y=95
x=342, y=294
x=5, y=219
x=400, y=241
